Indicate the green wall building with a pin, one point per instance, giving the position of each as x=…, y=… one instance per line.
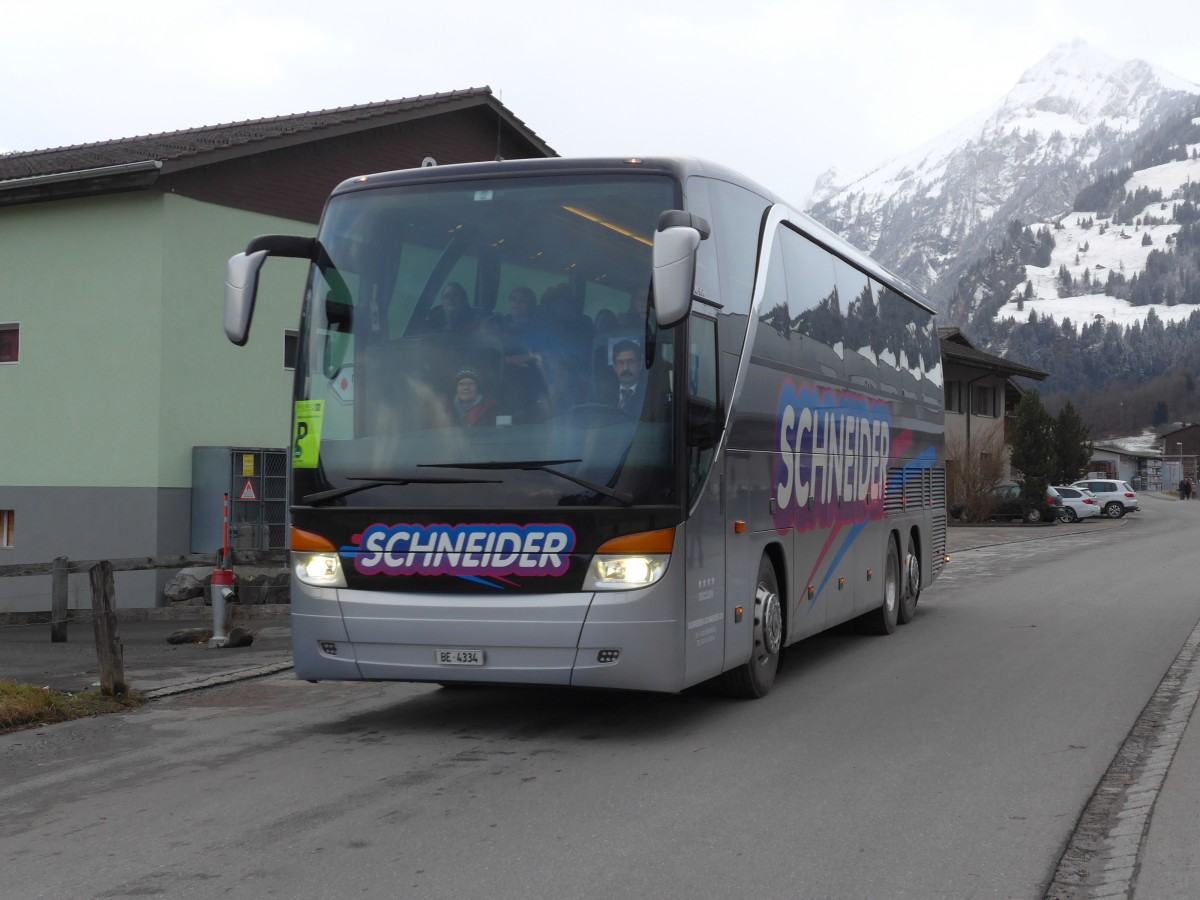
x=114, y=366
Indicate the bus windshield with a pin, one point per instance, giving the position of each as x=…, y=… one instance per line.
x=486, y=344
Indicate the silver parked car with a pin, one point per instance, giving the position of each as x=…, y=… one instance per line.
x=1115, y=497
x=1078, y=503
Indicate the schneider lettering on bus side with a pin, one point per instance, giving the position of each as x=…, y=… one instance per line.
x=834, y=452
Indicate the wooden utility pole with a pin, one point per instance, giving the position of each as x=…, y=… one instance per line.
x=108, y=642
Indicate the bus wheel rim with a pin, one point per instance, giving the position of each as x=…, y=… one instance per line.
x=769, y=622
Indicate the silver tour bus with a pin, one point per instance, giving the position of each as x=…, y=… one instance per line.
x=620, y=423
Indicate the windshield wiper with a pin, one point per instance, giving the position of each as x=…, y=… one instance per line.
x=368, y=483
x=539, y=465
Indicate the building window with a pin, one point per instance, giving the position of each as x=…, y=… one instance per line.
x=7, y=525
x=10, y=342
x=983, y=403
x=291, y=347
x=954, y=396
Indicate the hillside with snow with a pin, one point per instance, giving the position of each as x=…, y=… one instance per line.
x=1088, y=246
x=930, y=213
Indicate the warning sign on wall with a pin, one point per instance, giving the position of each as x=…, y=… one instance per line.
x=248, y=491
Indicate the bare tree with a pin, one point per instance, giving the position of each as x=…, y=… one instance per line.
x=978, y=470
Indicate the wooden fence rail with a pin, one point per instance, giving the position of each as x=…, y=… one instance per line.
x=62, y=567
x=100, y=574
x=144, y=563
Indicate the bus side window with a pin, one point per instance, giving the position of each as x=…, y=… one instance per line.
x=815, y=308
x=854, y=288
x=739, y=214
x=931, y=358
x=897, y=317
x=704, y=417
x=737, y=217
x=696, y=200
x=771, y=337
x=882, y=341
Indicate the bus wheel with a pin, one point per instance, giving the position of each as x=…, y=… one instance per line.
x=910, y=585
x=754, y=678
x=883, y=620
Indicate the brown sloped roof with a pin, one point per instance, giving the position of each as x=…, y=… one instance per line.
x=956, y=348
x=219, y=140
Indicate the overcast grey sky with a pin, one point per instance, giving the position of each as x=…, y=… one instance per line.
x=779, y=90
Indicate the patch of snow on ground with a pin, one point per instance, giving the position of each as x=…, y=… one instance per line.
x=1166, y=178
x=1120, y=248
x=1147, y=442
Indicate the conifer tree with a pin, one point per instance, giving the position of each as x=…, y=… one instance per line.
x=1072, y=448
x=1033, y=446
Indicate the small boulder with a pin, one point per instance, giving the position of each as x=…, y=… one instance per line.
x=239, y=637
x=183, y=586
x=190, y=636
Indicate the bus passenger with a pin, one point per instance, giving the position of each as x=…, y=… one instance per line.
x=456, y=314
x=471, y=405
x=634, y=318
x=607, y=321
x=565, y=359
x=525, y=335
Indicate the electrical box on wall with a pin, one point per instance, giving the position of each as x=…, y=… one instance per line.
x=256, y=481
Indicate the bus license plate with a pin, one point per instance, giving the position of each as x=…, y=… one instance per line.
x=460, y=657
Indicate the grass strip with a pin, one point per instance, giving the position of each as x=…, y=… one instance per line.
x=28, y=706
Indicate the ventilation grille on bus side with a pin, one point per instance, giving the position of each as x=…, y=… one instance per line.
x=911, y=489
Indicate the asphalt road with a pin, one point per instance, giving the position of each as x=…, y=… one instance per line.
x=951, y=759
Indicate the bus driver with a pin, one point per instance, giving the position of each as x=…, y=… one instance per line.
x=628, y=366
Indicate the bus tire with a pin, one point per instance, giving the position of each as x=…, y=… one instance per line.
x=910, y=584
x=754, y=677
x=883, y=620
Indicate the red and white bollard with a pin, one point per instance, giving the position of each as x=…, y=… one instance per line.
x=222, y=587
x=222, y=592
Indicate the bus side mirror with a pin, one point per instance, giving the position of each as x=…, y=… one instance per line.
x=241, y=278
x=674, y=272
x=241, y=290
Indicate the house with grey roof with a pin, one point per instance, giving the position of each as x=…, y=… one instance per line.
x=116, y=378
x=981, y=398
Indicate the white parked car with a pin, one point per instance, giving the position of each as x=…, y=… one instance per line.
x=1078, y=503
x=1115, y=497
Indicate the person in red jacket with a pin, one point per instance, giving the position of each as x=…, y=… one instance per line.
x=471, y=405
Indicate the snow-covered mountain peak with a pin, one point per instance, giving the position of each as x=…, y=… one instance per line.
x=1077, y=87
x=927, y=212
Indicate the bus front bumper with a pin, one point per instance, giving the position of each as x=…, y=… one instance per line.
x=607, y=640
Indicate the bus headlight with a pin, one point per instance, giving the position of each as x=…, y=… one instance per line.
x=315, y=560
x=630, y=561
x=318, y=569
x=611, y=573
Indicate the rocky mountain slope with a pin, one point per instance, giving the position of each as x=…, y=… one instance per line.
x=1106, y=296
x=933, y=212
